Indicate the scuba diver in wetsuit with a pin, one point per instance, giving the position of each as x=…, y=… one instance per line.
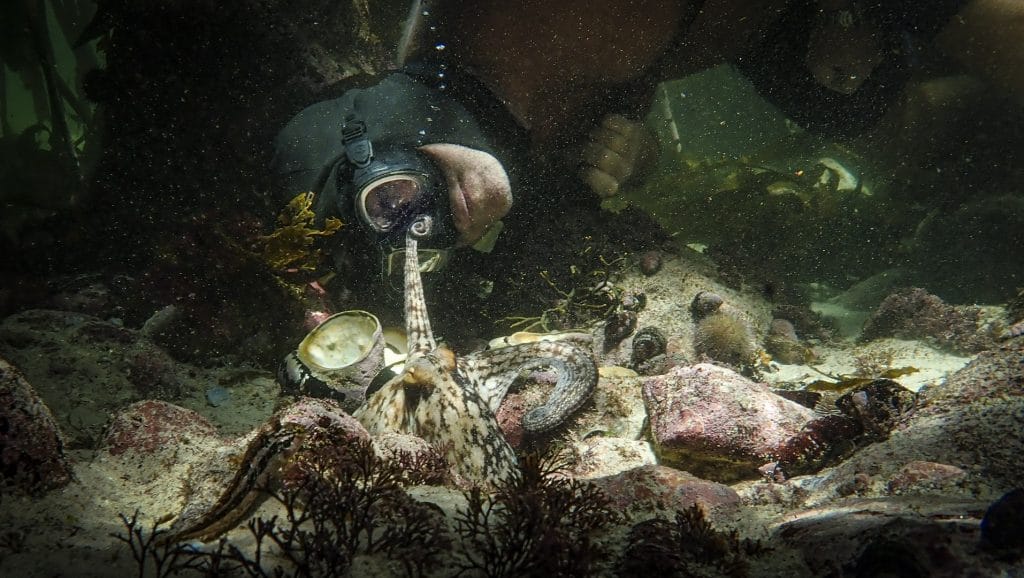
x=454, y=132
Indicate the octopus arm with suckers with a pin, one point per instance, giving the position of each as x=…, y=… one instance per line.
x=451, y=402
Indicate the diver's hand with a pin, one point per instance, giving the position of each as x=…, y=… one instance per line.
x=615, y=150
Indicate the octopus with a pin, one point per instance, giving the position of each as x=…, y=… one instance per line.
x=451, y=400
x=448, y=400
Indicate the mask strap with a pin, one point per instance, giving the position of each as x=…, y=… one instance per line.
x=358, y=149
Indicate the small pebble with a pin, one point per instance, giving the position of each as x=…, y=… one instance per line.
x=217, y=396
x=650, y=262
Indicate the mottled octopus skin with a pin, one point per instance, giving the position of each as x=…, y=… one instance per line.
x=445, y=400
x=452, y=401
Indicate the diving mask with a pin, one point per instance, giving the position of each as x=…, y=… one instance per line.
x=396, y=190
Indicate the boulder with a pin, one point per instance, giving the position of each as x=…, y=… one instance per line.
x=32, y=457
x=717, y=424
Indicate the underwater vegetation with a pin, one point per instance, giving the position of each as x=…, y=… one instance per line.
x=765, y=221
x=537, y=525
x=341, y=502
x=720, y=333
x=588, y=297
x=290, y=245
x=686, y=546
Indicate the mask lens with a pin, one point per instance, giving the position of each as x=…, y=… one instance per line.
x=385, y=202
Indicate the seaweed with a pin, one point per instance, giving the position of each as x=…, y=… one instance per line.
x=537, y=524
x=290, y=245
x=687, y=546
x=582, y=302
x=339, y=502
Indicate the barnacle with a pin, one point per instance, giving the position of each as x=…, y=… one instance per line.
x=291, y=244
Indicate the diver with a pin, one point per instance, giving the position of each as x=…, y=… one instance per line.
x=496, y=101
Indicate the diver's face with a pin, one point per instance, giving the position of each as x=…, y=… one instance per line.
x=478, y=188
x=843, y=48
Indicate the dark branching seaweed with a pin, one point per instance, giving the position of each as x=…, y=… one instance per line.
x=156, y=557
x=690, y=546
x=352, y=502
x=340, y=501
x=538, y=524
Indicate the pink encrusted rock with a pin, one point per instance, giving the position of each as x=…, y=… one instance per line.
x=151, y=425
x=921, y=477
x=322, y=414
x=717, y=424
x=510, y=417
x=32, y=456
x=665, y=488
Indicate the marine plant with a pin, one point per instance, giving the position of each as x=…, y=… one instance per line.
x=590, y=296
x=291, y=244
x=686, y=546
x=726, y=339
x=537, y=524
x=339, y=501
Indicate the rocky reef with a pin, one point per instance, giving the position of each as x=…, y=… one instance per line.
x=888, y=474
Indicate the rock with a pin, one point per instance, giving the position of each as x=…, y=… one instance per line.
x=87, y=368
x=652, y=488
x=784, y=345
x=916, y=314
x=313, y=413
x=716, y=423
x=971, y=420
x=921, y=477
x=422, y=461
x=150, y=426
x=993, y=374
x=599, y=457
x=218, y=396
x=32, y=458
x=650, y=262
x=1002, y=528
x=887, y=539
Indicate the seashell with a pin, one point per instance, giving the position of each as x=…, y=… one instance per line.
x=618, y=327
x=650, y=262
x=633, y=300
x=705, y=303
x=338, y=359
x=396, y=348
x=648, y=343
x=519, y=337
x=784, y=345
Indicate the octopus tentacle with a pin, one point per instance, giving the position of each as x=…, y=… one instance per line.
x=493, y=371
x=417, y=324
